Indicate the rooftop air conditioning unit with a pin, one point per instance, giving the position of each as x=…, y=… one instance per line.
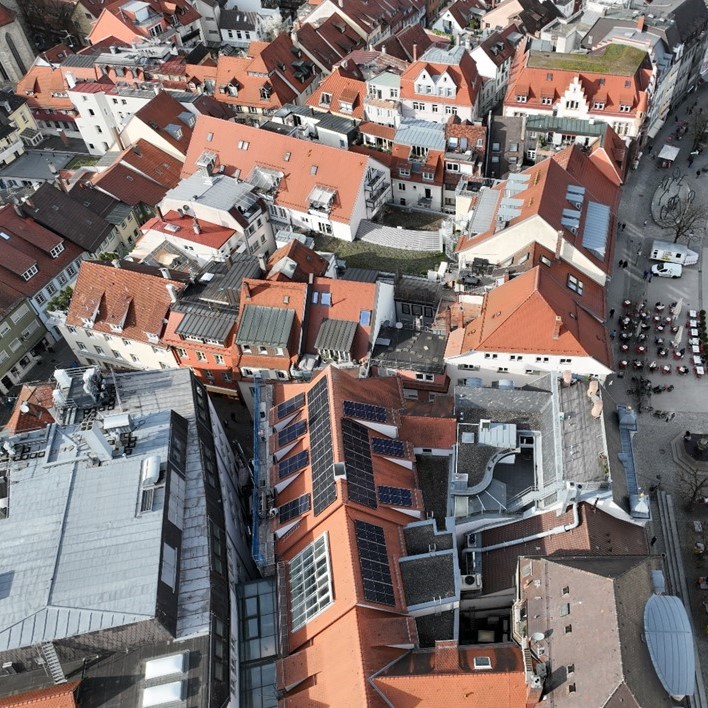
x=472, y=582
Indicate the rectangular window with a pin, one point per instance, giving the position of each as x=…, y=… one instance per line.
x=310, y=576
x=546, y=100
x=565, y=609
x=201, y=356
x=574, y=284
x=219, y=358
x=81, y=346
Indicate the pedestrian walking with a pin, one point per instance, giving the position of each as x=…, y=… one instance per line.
x=651, y=275
x=624, y=265
x=613, y=334
x=698, y=173
x=646, y=221
x=646, y=274
x=612, y=312
x=225, y=422
x=653, y=541
x=690, y=161
x=233, y=416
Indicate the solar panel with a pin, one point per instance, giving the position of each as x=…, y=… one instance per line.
x=360, y=470
x=291, y=405
x=373, y=558
x=396, y=496
x=324, y=489
x=292, y=464
x=385, y=446
x=365, y=411
x=292, y=432
x=294, y=508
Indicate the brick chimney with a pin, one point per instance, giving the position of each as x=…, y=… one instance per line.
x=246, y=291
x=447, y=656
x=460, y=316
x=415, y=52
x=447, y=319
x=640, y=23
x=557, y=327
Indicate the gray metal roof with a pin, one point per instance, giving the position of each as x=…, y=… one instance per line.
x=668, y=635
x=484, y=211
x=337, y=124
x=421, y=133
x=225, y=287
x=436, y=55
x=570, y=126
x=411, y=350
x=82, y=60
x=336, y=335
x=35, y=165
x=597, y=228
x=219, y=192
x=361, y=275
x=265, y=326
x=206, y=324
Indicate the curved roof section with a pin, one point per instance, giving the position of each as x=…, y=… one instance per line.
x=670, y=641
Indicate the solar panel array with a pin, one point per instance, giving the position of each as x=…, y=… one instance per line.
x=291, y=405
x=385, y=446
x=292, y=464
x=292, y=432
x=294, y=508
x=396, y=496
x=360, y=470
x=324, y=489
x=373, y=558
x=365, y=411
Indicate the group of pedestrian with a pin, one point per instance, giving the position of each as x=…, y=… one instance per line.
x=648, y=275
x=623, y=264
x=621, y=226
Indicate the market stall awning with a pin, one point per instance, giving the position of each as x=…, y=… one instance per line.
x=669, y=152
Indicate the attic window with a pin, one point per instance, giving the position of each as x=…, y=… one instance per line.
x=365, y=318
x=565, y=609
x=627, y=83
x=482, y=662
x=325, y=99
x=571, y=688
x=30, y=272
x=601, y=82
x=566, y=590
x=210, y=137
x=326, y=299
x=286, y=157
x=521, y=99
x=313, y=170
x=243, y=145
x=568, y=628
x=545, y=261
x=549, y=77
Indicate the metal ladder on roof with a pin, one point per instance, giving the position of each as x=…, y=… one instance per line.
x=52, y=662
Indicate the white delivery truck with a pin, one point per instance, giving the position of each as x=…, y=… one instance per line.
x=673, y=253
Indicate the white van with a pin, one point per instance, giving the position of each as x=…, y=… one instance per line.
x=673, y=253
x=667, y=270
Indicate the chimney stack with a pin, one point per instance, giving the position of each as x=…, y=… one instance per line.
x=196, y=227
x=246, y=291
x=415, y=52
x=172, y=291
x=262, y=264
x=640, y=23
x=159, y=213
x=115, y=263
x=165, y=273
x=559, y=245
x=447, y=656
x=557, y=327
x=460, y=316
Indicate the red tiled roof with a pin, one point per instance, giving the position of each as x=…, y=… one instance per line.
x=306, y=262
x=329, y=42
x=44, y=87
x=341, y=90
x=61, y=696
x=154, y=163
x=498, y=47
x=7, y=16
x=464, y=76
x=39, y=400
x=140, y=300
x=598, y=534
x=182, y=226
x=444, y=677
x=304, y=164
x=163, y=111
x=521, y=315
x=386, y=132
x=267, y=66
x=612, y=90
x=407, y=44
x=129, y=186
x=438, y=433
x=349, y=299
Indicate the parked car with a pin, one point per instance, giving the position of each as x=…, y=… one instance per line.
x=667, y=270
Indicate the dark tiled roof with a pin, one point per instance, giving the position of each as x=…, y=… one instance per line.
x=129, y=186
x=58, y=212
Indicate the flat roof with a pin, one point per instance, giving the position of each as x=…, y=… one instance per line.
x=619, y=59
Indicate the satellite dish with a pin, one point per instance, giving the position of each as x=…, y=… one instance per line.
x=538, y=636
x=24, y=407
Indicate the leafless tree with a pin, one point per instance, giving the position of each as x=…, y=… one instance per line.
x=683, y=216
x=692, y=485
x=697, y=126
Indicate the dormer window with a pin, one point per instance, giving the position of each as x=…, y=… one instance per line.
x=56, y=250
x=428, y=176
x=30, y=272
x=598, y=106
x=325, y=99
x=520, y=99
x=572, y=105
x=152, y=338
x=404, y=172
x=624, y=108
x=546, y=100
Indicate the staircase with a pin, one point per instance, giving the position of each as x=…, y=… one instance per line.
x=52, y=662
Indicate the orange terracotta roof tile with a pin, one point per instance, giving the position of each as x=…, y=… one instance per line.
x=439, y=433
x=522, y=315
x=154, y=163
x=183, y=226
x=340, y=90
x=39, y=400
x=444, y=676
x=129, y=186
x=306, y=262
x=45, y=88
x=328, y=42
x=138, y=301
x=162, y=112
x=305, y=165
x=61, y=696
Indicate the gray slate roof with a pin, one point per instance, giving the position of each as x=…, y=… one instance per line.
x=265, y=326
x=207, y=324
x=336, y=335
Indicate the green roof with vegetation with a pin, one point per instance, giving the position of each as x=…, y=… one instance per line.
x=615, y=59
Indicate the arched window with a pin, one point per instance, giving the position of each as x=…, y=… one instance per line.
x=13, y=50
